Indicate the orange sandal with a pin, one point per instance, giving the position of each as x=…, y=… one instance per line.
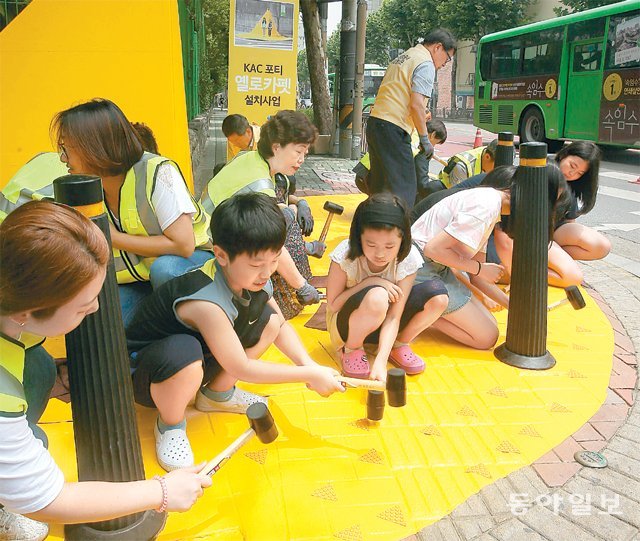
x=403, y=357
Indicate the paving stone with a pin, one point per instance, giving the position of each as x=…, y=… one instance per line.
x=548, y=458
x=587, y=433
x=626, y=394
x=470, y=528
x=472, y=507
x=611, y=412
x=554, y=526
x=496, y=497
x=623, y=464
x=629, y=432
x=514, y=530
x=607, y=500
x=556, y=475
x=624, y=447
x=578, y=508
x=527, y=481
x=623, y=341
x=443, y=530
x=594, y=445
x=567, y=449
x=607, y=428
x=618, y=383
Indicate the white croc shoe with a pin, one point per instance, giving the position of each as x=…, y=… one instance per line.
x=15, y=527
x=173, y=449
x=238, y=403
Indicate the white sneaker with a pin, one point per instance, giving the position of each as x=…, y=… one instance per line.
x=15, y=527
x=238, y=403
x=173, y=449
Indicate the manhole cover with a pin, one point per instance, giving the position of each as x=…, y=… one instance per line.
x=591, y=459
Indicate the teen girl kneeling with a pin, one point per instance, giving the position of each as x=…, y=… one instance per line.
x=371, y=295
x=453, y=238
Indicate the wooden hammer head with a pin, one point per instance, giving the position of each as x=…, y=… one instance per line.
x=575, y=297
x=262, y=422
x=396, y=387
x=333, y=208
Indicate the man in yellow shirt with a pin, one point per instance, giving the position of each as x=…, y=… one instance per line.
x=240, y=134
x=401, y=105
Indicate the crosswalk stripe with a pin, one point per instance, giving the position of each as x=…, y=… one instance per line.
x=620, y=194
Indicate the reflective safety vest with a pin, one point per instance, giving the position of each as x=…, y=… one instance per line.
x=471, y=159
x=136, y=212
x=365, y=161
x=394, y=94
x=247, y=172
x=12, y=352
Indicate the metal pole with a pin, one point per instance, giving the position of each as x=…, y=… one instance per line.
x=526, y=344
x=358, y=94
x=104, y=420
x=347, y=74
x=505, y=150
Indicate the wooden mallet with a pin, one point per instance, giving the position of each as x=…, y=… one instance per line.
x=331, y=208
x=573, y=296
x=396, y=388
x=262, y=425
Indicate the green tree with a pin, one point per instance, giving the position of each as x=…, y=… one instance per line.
x=472, y=19
x=572, y=6
x=408, y=20
x=378, y=43
x=215, y=64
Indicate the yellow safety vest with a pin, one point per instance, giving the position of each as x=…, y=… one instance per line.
x=394, y=95
x=12, y=352
x=136, y=212
x=247, y=172
x=471, y=159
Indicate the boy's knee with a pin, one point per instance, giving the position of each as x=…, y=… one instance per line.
x=488, y=338
x=273, y=326
x=602, y=247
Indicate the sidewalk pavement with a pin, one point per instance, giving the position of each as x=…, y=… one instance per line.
x=561, y=500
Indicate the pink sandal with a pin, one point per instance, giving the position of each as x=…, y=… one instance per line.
x=406, y=359
x=355, y=364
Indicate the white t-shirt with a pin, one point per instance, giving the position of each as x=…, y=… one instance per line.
x=358, y=269
x=468, y=216
x=171, y=198
x=29, y=478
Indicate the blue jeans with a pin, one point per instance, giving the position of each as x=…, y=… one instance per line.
x=131, y=295
x=167, y=267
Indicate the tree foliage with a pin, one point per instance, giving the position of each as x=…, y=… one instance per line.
x=572, y=6
x=472, y=19
x=214, y=68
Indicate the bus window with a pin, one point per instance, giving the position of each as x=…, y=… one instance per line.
x=592, y=28
x=623, y=50
x=542, y=53
x=587, y=57
x=505, y=59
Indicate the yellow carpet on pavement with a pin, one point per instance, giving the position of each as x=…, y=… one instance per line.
x=469, y=420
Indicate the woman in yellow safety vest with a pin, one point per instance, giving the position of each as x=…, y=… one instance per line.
x=52, y=268
x=157, y=227
x=151, y=211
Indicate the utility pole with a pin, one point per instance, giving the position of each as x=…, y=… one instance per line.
x=358, y=96
x=347, y=74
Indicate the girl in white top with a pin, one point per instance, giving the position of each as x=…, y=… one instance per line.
x=371, y=296
x=45, y=292
x=452, y=236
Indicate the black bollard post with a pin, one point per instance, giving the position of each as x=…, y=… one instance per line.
x=505, y=151
x=104, y=421
x=526, y=344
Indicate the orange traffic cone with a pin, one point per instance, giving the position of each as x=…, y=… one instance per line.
x=477, y=142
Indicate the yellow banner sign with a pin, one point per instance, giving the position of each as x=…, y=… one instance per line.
x=263, y=48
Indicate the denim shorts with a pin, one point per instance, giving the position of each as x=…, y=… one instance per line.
x=459, y=294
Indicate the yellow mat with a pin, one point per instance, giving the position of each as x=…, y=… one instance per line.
x=469, y=420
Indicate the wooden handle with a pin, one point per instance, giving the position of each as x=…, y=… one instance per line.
x=556, y=304
x=211, y=467
x=325, y=229
x=363, y=383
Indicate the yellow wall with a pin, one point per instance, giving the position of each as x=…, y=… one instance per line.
x=58, y=53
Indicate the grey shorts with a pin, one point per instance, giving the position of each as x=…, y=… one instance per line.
x=459, y=294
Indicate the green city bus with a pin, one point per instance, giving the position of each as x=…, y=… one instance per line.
x=570, y=78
